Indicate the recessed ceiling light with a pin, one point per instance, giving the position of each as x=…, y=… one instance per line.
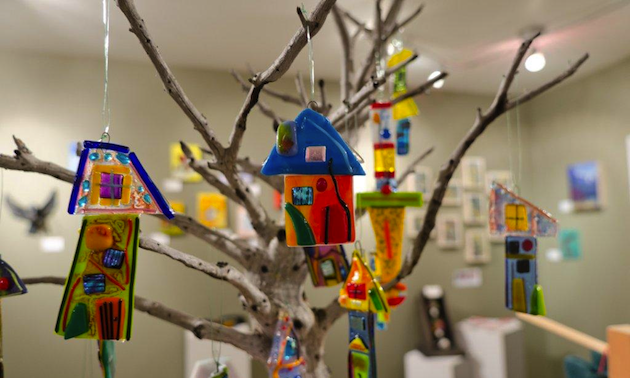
x=438, y=84
x=535, y=62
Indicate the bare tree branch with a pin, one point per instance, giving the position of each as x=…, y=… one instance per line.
x=396, y=26
x=411, y=168
x=281, y=96
x=324, y=107
x=263, y=106
x=256, y=299
x=347, y=66
x=275, y=71
x=361, y=26
x=253, y=343
x=276, y=182
x=330, y=314
x=482, y=121
x=367, y=90
x=171, y=84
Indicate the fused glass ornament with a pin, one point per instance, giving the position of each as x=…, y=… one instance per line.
x=111, y=179
x=384, y=147
x=523, y=294
x=318, y=167
x=100, y=287
x=221, y=372
x=362, y=348
x=107, y=357
x=513, y=215
x=387, y=214
x=10, y=282
x=407, y=107
x=327, y=265
x=285, y=359
x=402, y=136
x=362, y=292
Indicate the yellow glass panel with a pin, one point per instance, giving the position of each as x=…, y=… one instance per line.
x=516, y=217
x=518, y=295
x=385, y=159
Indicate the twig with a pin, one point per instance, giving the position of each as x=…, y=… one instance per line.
x=257, y=300
x=324, y=107
x=412, y=167
x=171, y=84
x=263, y=106
x=281, y=96
x=276, y=182
x=347, y=66
x=360, y=25
x=482, y=121
x=253, y=343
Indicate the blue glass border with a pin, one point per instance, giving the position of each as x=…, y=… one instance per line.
x=78, y=177
x=106, y=146
x=159, y=200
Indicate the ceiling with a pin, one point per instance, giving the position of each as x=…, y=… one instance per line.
x=473, y=40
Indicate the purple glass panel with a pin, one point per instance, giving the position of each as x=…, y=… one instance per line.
x=111, y=186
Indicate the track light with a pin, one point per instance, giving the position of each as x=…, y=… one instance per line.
x=535, y=61
x=438, y=84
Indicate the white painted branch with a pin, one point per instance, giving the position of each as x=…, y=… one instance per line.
x=262, y=106
x=347, y=65
x=258, y=303
x=171, y=84
x=255, y=344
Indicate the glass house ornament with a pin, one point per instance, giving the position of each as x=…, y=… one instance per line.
x=387, y=214
x=513, y=215
x=362, y=292
x=107, y=357
x=402, y=136
x=111, y=179
x=384, y=148
x=327, y=265
x=523, y=294
x=10, y=282
x=99, y=294
x=362, y=348
x=406, y=108
x=318, y=167
x=285, y=359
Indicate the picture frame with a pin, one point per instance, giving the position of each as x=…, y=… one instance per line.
x=477, y=249
x=586, y=186
x=421, y=180
x=473, y=172
x=450, y=230
x=453, y=195
x=474, y=214
x=503, y=177
x=212, y=210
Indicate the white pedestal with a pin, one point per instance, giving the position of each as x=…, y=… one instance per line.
x=417, y=365
x=494, y=347
x=198, y=352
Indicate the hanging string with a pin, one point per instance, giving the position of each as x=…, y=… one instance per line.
x=311, y=62
x=107, y=112
x=518, y=138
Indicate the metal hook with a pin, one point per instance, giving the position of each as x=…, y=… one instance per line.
x=103, y=136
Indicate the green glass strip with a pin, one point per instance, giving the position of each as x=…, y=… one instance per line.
x=303, y=230
x=398, y=199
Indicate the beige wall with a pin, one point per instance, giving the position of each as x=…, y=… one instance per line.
x=51, y=101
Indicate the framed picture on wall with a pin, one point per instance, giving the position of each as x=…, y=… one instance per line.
x=453, y=196
x=415, y=220
x=586, y=185
x=474, y=172
x=477, y=249
x=450, y=231
x=503, y=177
x=421, y=180
x=474, y=209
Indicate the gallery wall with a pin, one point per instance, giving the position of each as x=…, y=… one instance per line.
x=51, y=101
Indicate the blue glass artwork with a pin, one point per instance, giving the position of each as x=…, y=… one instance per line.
x=570, y=244
x=302, y=195
x=402, y=137
x=584, y=184
x=94, y=283
x=113, y=258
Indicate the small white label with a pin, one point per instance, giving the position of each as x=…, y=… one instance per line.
x=172, y=185
x=52, y=244
x=554, y=255
x=160, y=238
x=566, y=206
x=467, y=278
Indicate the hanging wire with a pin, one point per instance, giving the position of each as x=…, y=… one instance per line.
x=311, y=62
x=107, y=112
x=518, y=138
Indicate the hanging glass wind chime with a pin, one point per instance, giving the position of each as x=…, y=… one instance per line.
x=111, y=188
